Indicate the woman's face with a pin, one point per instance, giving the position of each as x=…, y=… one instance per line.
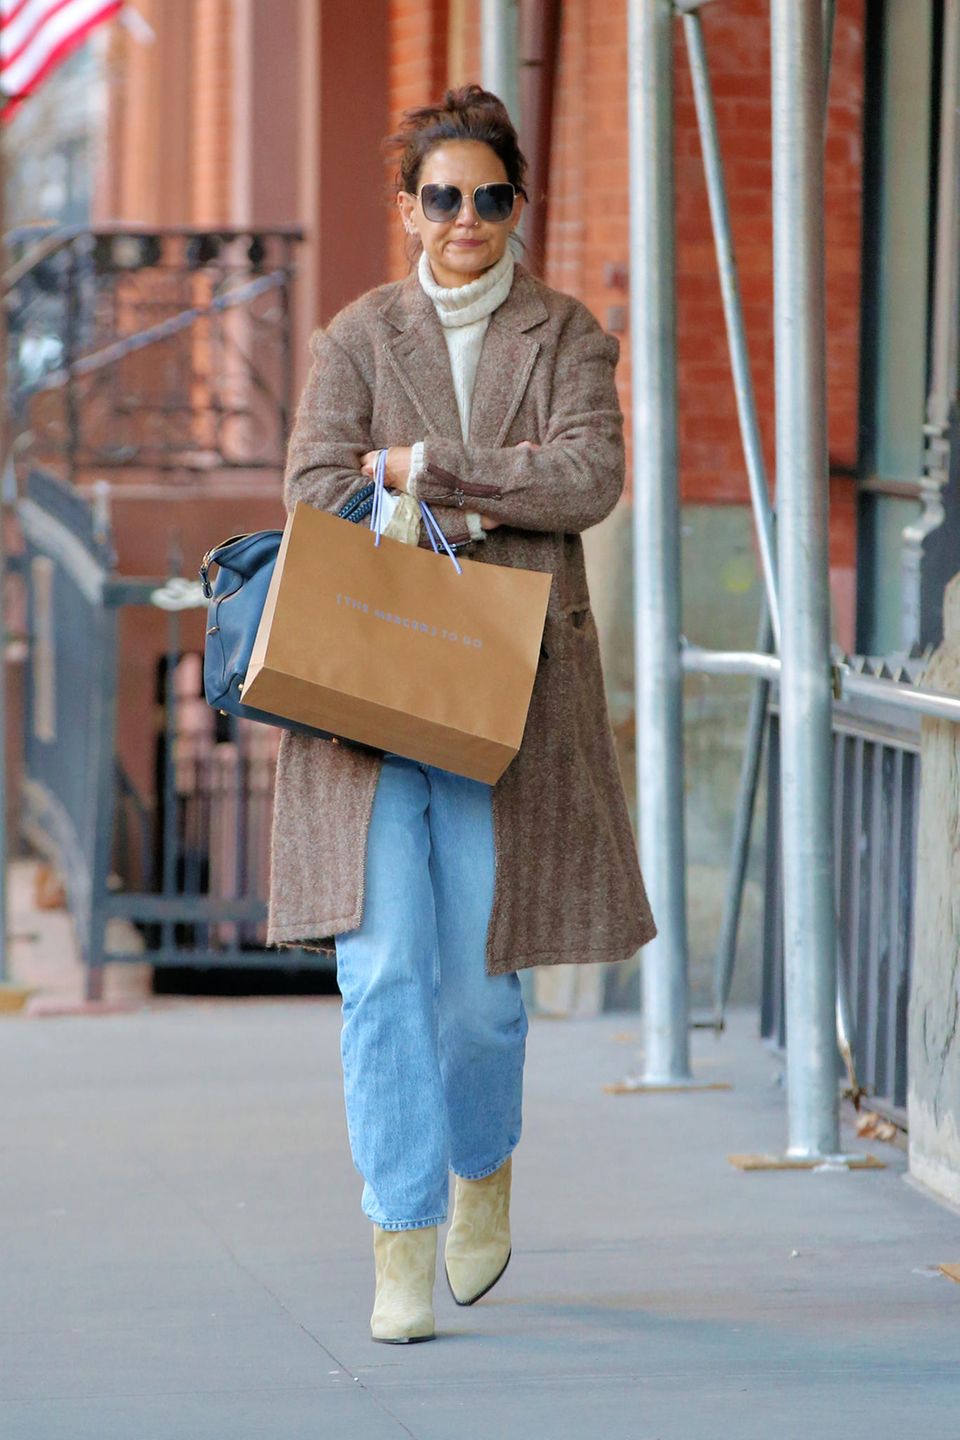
x=462, y=248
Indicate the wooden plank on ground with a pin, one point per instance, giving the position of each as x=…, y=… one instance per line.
x=788, y=1162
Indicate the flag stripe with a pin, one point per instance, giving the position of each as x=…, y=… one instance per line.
x=12, y=46
x=21, y=24
x=10, y=9
x=62, y=29
x=69, y=44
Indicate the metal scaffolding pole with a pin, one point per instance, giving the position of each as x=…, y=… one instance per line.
x=733, y=314
x=499, y=46
x=656, y=537
x=929, y=548
x=810, y=943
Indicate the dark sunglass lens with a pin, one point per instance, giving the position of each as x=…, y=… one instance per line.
x=494, y=202
x=440, y=202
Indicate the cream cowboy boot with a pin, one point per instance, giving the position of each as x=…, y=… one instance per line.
x=478, y=1241
x=406, y=1264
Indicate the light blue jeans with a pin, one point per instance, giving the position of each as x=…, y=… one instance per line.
x=432, y=1046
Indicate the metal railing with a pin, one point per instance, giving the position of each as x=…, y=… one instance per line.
x=876, y=794
x=160, y=350
x=186, y=864
x=135, y=355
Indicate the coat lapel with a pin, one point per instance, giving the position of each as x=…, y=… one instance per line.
x=509, y=354
x=418, y=355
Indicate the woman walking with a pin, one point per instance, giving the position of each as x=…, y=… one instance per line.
x=494, y=399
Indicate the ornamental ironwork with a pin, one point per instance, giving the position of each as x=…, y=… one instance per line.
x=161, y=350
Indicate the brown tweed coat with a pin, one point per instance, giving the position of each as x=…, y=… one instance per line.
x=568, y=885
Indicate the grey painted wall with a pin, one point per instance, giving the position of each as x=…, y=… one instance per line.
x=721, y=596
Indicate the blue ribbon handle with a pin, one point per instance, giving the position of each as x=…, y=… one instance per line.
x=434, y=533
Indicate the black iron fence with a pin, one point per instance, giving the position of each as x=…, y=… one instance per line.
x=876, y=797
x=159, y=350
x=185, y=862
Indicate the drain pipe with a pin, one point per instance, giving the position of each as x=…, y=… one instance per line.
x=498, y=51
x=539, y=41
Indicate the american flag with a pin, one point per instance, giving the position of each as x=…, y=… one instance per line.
x=35, y=35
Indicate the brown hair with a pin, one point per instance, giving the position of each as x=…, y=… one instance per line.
x=469, y=113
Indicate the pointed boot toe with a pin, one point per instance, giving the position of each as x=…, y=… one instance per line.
x=478, y=1249
x=406, y=1266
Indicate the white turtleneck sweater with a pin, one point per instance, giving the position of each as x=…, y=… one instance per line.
x=464, y=312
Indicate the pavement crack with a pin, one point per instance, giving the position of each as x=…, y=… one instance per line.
x=186, y=1199
x=318, y=1342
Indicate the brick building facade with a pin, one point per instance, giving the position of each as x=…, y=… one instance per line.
x=241, y=112
x=214, y=124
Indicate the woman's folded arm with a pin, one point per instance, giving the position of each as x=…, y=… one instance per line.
x=574, y=478
x=330, y=435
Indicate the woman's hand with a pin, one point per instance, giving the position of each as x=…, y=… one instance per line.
x=398, y=466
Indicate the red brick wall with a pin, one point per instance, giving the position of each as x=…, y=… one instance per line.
x=737, y=36
x=418, y=75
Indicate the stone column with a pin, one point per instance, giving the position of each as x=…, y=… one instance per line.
x=933, y=1099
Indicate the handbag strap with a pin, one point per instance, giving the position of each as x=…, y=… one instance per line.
x=434, y=532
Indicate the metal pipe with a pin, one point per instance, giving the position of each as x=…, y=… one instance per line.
x=498, y=52
x=733, y=314
x=71, y=336
x=829, y=26
x=730, y=662
x=917, y=698
x=846, y=1023
x=759, y=496
x=656, y=535
x=941, y=414
x=905, y=697
x=944, y=346
x=742, y=827
x=539, y=38
x=810, y=940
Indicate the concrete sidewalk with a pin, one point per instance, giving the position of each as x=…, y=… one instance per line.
x=184, y=1255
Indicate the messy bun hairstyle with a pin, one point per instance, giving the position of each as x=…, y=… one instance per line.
x=468, y=113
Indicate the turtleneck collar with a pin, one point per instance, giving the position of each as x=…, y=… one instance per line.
x=465, y=304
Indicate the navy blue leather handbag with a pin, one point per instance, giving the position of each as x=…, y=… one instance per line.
x=237, y=596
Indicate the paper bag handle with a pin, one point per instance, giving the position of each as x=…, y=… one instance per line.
x=434, y=533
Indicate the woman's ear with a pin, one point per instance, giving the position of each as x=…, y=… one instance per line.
x=405, y=204
x=518, y=205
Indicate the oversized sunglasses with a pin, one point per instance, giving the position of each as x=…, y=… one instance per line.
x=493, y=201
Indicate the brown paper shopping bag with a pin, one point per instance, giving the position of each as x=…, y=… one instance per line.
x=388, y=645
